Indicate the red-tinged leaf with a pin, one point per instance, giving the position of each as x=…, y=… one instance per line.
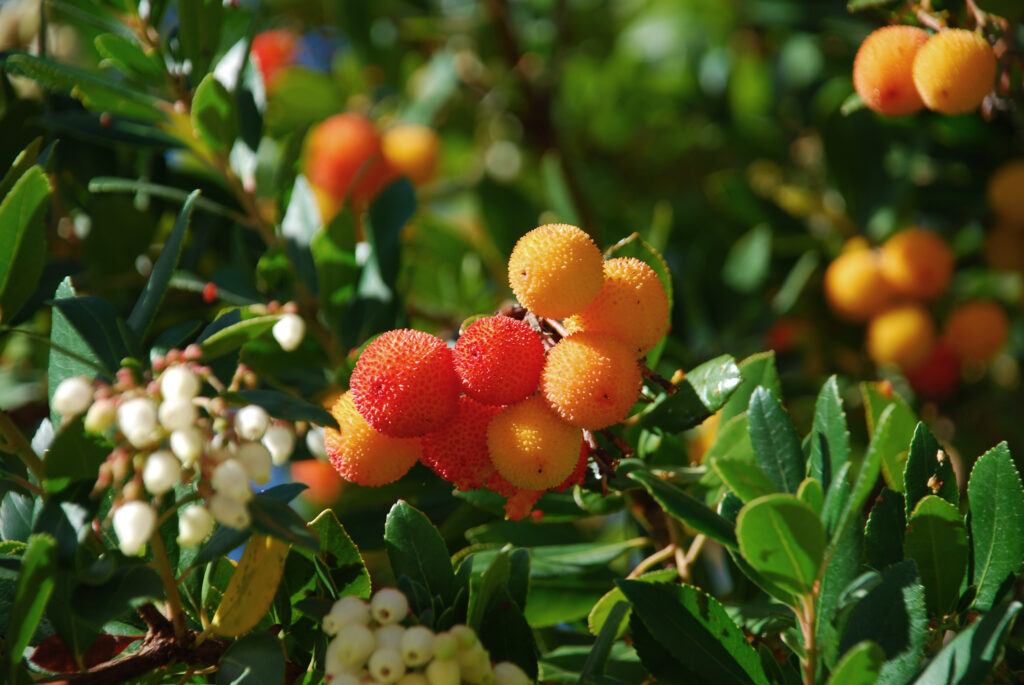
x=53, y=655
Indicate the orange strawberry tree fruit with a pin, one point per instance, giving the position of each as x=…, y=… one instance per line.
x=328, y=355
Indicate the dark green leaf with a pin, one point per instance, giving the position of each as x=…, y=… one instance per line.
x=35, y=584
x=214, y=114
x=417, y=550
x=129, y=587
x=231, y=337
x=783, y=539
x=93, y=325
x=860, y=665
x=776, y=443
x=602, y=611
x=17, y=516
x=970, y=657
x=1010, y=9
x=128, y=56
x=841, y=570
x=73, y=455
x=696, y=630
x=273, y=517
x=746, y=479
x=929, y=470
x=282, y=405
x=997, y=523
x=256, y=659
x=22, y=240
x=483, y=591
x=199, y=32
x=830, y=438
x=857, y=5
x=703, y=392
x=883, y=536
x=936, y=539
x=891, y=614
x=687, y=508
x=507, y=634
x=756, y=370
x=598, y=658
x=341, y=556
x=25, y=160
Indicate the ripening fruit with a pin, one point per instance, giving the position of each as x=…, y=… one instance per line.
x=530, y=446
x=499, y=360
x=937, y=376
x=458, y=451
x=1006, y=192
x=591, y=380
x=325, y=484
x=411, y=150
x=954, y=71
x=579, y=473
x=976, y=331
x=343, y=159
x=632, y=306
x=883, y=70
x=405, y=384
x=555, y=270
x=1004, y=248
x=273, y=51
x=362, y=454
x=854, y=285
x=902, y=335
x=917, y=263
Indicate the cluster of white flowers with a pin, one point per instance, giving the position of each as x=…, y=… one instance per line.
x=370, y=645
x=167, y=432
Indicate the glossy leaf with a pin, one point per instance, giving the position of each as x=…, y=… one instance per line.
x=830, y=437
x=968, y=659
x=341, y=556
x=936, y=539
x=842, y=569
x=859, y=666
x=810, y=493
x=704, y=390
x=997, y=523
x=22, y=240
x=602, y=611
x=776, y=443
x=757, y=370
x=598, y=657
x=128, y=56
x=686, y=508
x=232, y=336
x=416, y=550
x=929, y=470
x=213, y=114
x=783, y=539
x=744, y=478
x=273, y=517
x=95, y=326
x=35, y=584
x=256, y=659
x=883, y=535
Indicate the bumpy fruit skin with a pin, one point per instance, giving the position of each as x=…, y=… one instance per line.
x=405, y=384
x=937, y=377
x=1006, y=193
x=579, y=473
x=976, y=331
x=855, y=288
x=458, y=452
x=591, y=380
x=883, y=70
x=499, y=360
x=555, y=270
x=632, y=306
x=902, y=335
x=325, y=484
x=412, y=150
x=363, y=455
x=954, y=71
x=531, y=447
x=917, y=263
x=343, y=158
x=273, y=51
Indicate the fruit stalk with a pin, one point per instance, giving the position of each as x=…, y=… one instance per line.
x=163, y=566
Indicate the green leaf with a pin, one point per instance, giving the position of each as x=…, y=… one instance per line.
x=73, y=455
x=883, y=535
x=756, y=370
x=214, y=114
x=747, y=480
x=22, y=240
x=748, y=261
x=733, y=442
x=830, y=437
x=696, y=631
x=891, y=614
x=25, y=160
x=273, y=517
x=337, y=270
x=602, y=611
x=703, y=392
x=929, y=470
x=782, y=539
x=894, y=448
x=598, y=658
x=199, y=32
x=687, y=508
x=282, y=405
x=997, y=523
x=131, y=586
x=841, y=570
x=859, y=666
x=776, y=443
x=507, y=634
x=111, y=184
x=35, y=584
x=416, y=549
x=936, y=539
x=1009, y=9
x=256, y=659
x=128, y=57
x=341, y=556
x=234, y=334
x=858, y=5
x=152, y=295
x=970, y=657
x=810, y=493
x=95, y=322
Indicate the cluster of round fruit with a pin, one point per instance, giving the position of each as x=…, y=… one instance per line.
x=164, y=432
x=370, y=645
x=889, y=287
x=899, y=70
x=1004, y=246
x=512, y=405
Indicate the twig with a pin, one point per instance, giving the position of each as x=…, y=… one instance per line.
x=659, y=380
x=163, y=565
x=929, y=20
x=661, y=555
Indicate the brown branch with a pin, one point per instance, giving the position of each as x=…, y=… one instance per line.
x=656, y=378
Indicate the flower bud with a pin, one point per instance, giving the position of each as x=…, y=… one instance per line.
x=134, y=522
x=255, y=459
x=389, y=605
x=137, y=419
x=179, y=383
x=355, y=643
x=390, y=636
x=445, y=646
x=230, y=512
x=161, y=472
x=414, y=678
x=230, y=478
x=507, y=673
x=194, y=524
x=187, y=445
x=443, y=672
x=386, y=665
x=281, y=443
x=475, y=664
x=417, y=646
x=100, y=416
x=315, y=442
x=346, y=610
x=177, y=414
x=289, y=331
x=72, y=396
x=464, y=635
x=251, y=422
